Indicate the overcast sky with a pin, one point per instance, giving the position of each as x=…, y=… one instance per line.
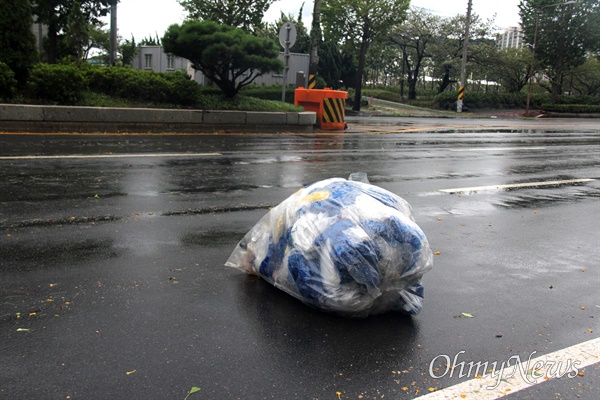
x=143, y=18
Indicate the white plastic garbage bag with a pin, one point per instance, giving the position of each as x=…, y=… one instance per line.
x=341, y=246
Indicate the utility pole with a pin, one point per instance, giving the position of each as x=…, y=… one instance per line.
x=463, y=70
x=113, y=32
x=315, y=36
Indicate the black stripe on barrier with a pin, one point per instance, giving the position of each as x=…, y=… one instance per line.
x=312, y=81
x=333, y=110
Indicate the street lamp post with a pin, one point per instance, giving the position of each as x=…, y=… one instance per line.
x=531, y=71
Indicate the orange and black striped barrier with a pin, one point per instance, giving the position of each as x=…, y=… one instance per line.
x=330, y=106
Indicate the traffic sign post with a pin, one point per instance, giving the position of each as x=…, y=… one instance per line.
x=287, y=38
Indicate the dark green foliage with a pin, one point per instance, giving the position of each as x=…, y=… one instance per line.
x=566, y=34
x=447, y=100
x=127, y=83
x=472, y=100
x=572, y=108
x=330, y=64
x=54, y=83
x=227, y=56
x=55, y=14
x=244, y=14
x=128, y=51
x=8, y=83
x=269, y=93
x=17, y=42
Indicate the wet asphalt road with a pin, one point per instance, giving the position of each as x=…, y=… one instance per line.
x=112, y=282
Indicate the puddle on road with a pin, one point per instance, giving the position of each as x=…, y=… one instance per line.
x=212, y=237
x=30, y=256
x=538, y=200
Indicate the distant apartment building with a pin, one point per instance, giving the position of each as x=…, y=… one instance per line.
x=511, y=38
x=155, y=59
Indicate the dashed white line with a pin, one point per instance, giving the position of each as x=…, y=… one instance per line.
x=514, y=186
x=58, y=157
x=534, y=371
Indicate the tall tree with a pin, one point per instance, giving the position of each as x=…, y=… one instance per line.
x=77, y=33
x=586, y=77
x=446, y=53
x=361, y=22
x=415, y=39
x=244, y=14
x=228, y=56
x=17, y=43
x=128, y=51
x=510, y=67
x=565, y=33
x=55, y=14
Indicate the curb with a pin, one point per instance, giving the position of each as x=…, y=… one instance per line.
x=40, y=119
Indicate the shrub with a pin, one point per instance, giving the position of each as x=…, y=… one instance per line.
x=447, y=100
x=175, y=88
x=572, y=108
x=60, y=84
x=269, y=93
x=8, y=83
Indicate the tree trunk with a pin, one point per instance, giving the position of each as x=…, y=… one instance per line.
x=52, y=42
x=359, y=74
x=412, y=88
x=556, y=83
x=445, y=79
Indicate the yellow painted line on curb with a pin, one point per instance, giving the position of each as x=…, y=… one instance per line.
x=530, y=372
x=109, y=156
x=514, y=186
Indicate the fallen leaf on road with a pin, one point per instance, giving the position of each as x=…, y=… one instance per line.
x=437, y=253
x=130, y=372
x=467, y=315
x=23, y=330
x=339, y=395
x=193, y=390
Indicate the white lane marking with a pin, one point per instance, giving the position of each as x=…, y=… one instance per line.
x=519, y=377
x=110, y=156
x=514, y=185
x=499, y=148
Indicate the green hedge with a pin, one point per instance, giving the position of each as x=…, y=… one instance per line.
x=572, y=108
x=447, y=100
x=8, y=83
x=149, y=86
x=55, y=83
